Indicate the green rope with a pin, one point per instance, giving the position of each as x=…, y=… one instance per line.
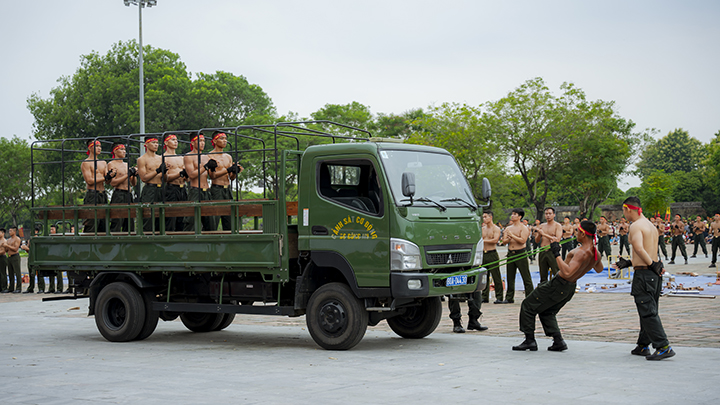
x=523, y=255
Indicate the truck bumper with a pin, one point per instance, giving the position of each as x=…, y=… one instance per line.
x=405, y=284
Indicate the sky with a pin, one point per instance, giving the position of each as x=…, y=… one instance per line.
x=658, y=60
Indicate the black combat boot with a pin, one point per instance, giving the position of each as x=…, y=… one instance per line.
x=528, y=344
x=473, y=324
x=558, y=344
x=457, y=326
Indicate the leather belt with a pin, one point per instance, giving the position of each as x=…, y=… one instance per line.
x=218, y=186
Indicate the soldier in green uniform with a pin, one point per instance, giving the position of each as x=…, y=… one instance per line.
x=550, y=296
x=515, y=236
x=491, y=236
x=699, y=236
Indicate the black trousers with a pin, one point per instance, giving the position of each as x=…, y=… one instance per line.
x=545, y=301
x=715, y=246
x=220, y=193
x=566, y=247
x=3, y=273
x=151, y=193
x=547, y=262
x=678, y=242
x=206, y=223
x=699, y=241
x=121, y=224
x=494, y=271
x=661, y=246
x=175, y=192
x=93, y=197
x=646, y=289
x=521, y=266
x=14, y=272
x=604, y=246
x=624, y=241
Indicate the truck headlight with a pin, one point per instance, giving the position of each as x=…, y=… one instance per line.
x=479, y=250
x=404, y=255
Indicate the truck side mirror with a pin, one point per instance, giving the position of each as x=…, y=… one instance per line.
x=486, y=189
x=408, y=184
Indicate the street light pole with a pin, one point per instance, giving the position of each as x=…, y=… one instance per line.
x=141, y=4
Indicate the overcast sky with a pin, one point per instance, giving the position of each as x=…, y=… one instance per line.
x=658, y=60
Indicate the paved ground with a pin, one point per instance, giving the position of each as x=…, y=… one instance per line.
x=52, y=353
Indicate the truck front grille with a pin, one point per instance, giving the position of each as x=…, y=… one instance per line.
x=434, y=259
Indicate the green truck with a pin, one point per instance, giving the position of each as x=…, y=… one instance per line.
x=380, y=230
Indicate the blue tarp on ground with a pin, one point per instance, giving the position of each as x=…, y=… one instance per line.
x=593, y=282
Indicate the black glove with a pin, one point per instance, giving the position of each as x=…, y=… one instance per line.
x=233, y=169
x=132, y=172
x=109, y=176
x=623, y=263
x=657, y=267
x=161, y=168
x=184, y=173
x=211, y=165
x=555, y=249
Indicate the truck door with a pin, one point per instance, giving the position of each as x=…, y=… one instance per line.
x=347, y=217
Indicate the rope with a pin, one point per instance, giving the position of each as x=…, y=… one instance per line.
x=522, y=256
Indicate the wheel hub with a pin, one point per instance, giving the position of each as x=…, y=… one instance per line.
x=332, y=317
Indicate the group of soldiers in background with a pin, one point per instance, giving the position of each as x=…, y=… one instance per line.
x=166, y=177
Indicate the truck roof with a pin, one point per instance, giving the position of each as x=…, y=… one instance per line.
x=372, y=147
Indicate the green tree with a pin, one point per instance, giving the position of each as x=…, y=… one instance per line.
x=677, y=151
x=459, y=129
x=656, y=192
x=354, y=114
x=711, y=163
x=598, y=152
x=15, y=186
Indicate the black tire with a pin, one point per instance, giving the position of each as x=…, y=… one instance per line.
x=227, y=319
x=200, y=321
x=151, y=317
x=418, y=321
x=119, y=312
x=336, y=319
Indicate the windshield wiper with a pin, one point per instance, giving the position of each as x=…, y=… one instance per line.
x=472, y=207
x=425, y=199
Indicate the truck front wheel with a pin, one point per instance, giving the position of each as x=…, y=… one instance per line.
x=119, y=312
x=336, y=319
x=418, y=321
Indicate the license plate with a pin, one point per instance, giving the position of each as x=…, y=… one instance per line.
x=456, y=280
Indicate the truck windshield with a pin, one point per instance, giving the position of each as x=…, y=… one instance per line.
x=437, y=178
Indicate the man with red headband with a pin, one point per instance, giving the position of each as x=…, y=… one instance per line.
x=647, y=282
x=150, y=169
x=175, y=178
x=550, y=296
x=225, y=171
x=677, y=230
x=197, y=165
x=121, y=182
x=95, y=173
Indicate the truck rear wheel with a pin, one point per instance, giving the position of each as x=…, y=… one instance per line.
x=226, y=321
x=418, y=321
x=119, y=312
x=151, y=316
x=200, y=321
x=336, y=319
